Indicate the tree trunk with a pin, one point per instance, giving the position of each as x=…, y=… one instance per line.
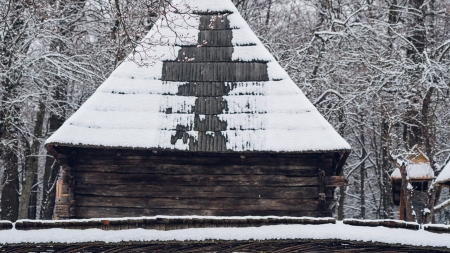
x=32, y=206
x=385, y=175
x=51, y=172
x=52, y=168
x=406, y=194
x=268, y=13
x=10, y=191
x=32, y=163
x=363, y=179
x=9, y=114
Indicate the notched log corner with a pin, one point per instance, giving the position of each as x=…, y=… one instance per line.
x=335, y=181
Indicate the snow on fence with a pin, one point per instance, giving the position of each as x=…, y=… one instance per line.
x=5, y=225
x=169, y=223
x=211, y=233
x=383, y=223
x=437, y=228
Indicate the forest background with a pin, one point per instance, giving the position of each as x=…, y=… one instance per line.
x=378, y=70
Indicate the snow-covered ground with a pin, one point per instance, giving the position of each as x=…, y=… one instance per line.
x=329, y=231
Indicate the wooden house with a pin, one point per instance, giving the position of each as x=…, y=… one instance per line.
x=211, y=125
x=420, y=176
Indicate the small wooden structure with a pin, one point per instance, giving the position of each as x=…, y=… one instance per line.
x=443, y=180
x=212, y=126
x=444, y=177
x=420, y=176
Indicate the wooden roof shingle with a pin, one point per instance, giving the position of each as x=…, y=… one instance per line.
x=209, y=85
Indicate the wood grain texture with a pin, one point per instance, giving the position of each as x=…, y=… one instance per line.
x=205, y=54
x=214, y=71
x=204, y=89
x=174, y=191
x=230, y=204
x=216, y=22
x=194, y=180
x=179, y=169
x=188, y=160
x=215, y=38
x=113, y=212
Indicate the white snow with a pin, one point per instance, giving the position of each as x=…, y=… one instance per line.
x=320, y=232
x=204, y=6
x=251, y=53
x=415, y=171
x=444, y=176
x=445, y=203
x=129, y=110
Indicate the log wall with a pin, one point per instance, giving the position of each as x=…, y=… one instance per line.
x=133, y=183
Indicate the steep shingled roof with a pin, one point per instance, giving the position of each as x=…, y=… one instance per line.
x=210, y=85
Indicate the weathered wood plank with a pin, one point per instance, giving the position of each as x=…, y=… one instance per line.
x=210, y=123
x=215, y=38
x=198, y=89
x=205, y=54
x=216, y=22
x=177, y=169
x=210, y=105
x=172, y=153
x=173, y=191
x=202, y=72
x=220, y=161
x=111, y=212
x=307, y=205
x=192, y=180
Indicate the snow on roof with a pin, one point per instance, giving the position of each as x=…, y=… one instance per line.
x=416, y=171
x=337, y=231
x=444, y=176
x=138, y=107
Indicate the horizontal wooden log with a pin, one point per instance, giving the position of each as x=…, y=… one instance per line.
x=62, y=200
x=437, y=228
x=6, y=225
x=201, y=203
x=165, y=223
x=336, y=181
x=178, y=169
x=174, y=191
x=215, y=71
x=382, y=223
x=111, y=212
x=173, y=153
x=86, y=178
x=220, y=161
x=62, y=211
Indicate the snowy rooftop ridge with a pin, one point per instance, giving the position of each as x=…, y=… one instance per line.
x=416, y=171
x=257, y=107
x=444, y=176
